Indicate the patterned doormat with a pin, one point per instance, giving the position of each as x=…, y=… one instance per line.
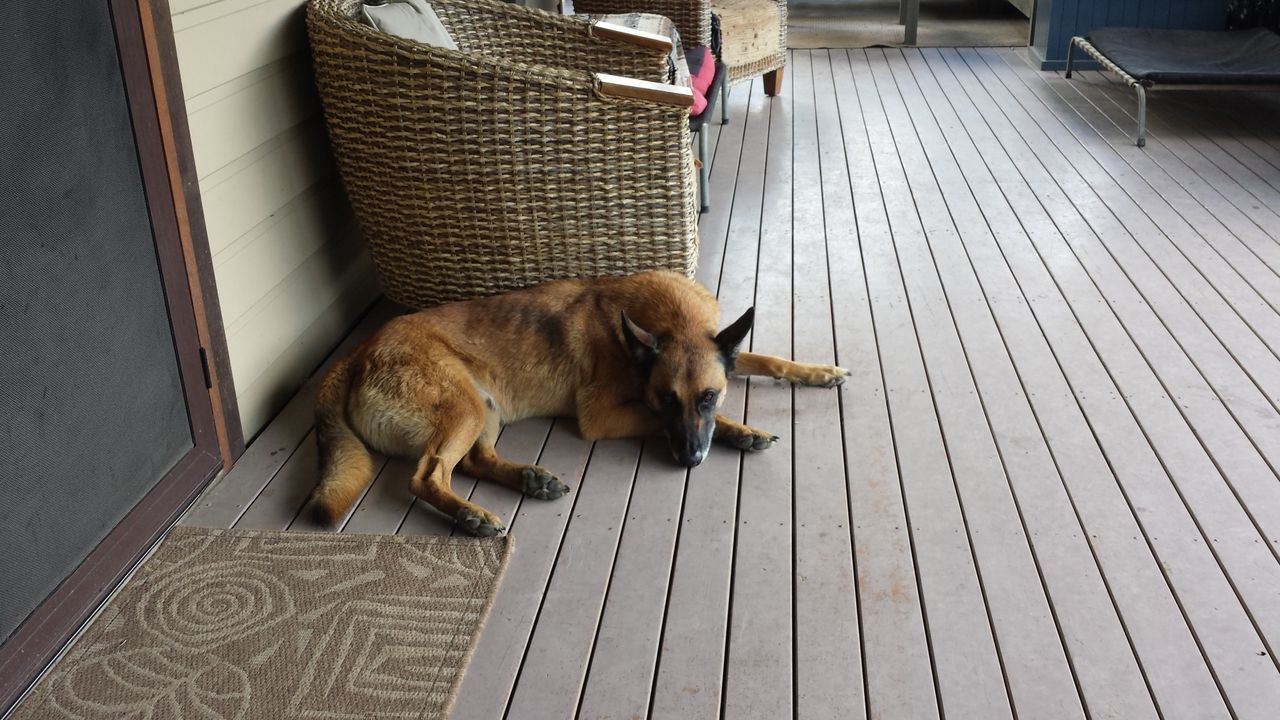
x=245, y=625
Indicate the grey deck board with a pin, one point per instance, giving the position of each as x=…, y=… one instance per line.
x=1180, y=453
x=1239, y=117
x=967, y=664
x=1250, y=478
x=897, y=656
x=556, y=660
x=1221, y=177
x=985, y=416
x=828, y=658
x=1075, y=461
x=1239, y=369
x=1221, y=173
x=281, y=500
x=1048, y=490
x=689, y=678
x=624, y=659
x=539, y=529
x=1226, y=133
x=1152, y=618
x=759, y=677
x=1212, y=277
x=1171, y=348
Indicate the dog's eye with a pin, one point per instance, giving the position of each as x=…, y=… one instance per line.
x=708, y=397
x=668, y=399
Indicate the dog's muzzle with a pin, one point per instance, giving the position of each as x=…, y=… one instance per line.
x=691, y=455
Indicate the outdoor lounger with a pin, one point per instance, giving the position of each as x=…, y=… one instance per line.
x=1149, y=59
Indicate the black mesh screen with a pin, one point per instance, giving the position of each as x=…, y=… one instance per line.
x=91, y=409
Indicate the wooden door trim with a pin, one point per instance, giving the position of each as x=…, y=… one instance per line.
x=165, y=86
x=144, y=41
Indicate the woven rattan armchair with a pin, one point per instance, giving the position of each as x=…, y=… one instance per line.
x=543, y=148
x=749, y=29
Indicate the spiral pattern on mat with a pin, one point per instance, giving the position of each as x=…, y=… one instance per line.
x=199, y=608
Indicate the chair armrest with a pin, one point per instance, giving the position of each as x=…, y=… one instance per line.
x=532, y=37
x=622, y=33
x=661, y=93
x=691, y=17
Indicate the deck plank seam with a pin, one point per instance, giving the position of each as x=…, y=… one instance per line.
x=746, y=405
x=1152, y=152
x=840, y=399
x=840, y=404
x=1128, y=273
x=1093, y=432
x=542, y=596
x=1124, y=328
x=933, y=662
x=995, y=636
x=1145, y=353
x=1000, y=451
x=613, y=565
x=666, y=604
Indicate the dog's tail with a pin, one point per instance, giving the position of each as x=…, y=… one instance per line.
x=345, y=464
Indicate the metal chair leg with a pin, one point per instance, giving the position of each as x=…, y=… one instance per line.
x=909, y=15
x=1142, y=115
x=704, y=172
x=724, y=102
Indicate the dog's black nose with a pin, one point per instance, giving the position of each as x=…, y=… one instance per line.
x=695, y=458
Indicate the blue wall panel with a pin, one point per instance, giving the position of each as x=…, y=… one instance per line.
x=1057, y=21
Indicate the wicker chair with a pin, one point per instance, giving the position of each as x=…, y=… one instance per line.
x=748, y=27
x=510, y=161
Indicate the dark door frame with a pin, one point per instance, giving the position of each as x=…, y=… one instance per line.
x=148, y=62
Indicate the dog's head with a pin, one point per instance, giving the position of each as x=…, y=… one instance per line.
x=684, y=377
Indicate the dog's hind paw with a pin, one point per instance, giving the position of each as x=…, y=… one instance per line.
x=543, y=485
x=480, y=525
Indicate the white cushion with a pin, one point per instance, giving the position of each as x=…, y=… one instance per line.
x=410, y=19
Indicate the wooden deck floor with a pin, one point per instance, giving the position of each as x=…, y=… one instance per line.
x=1049, y=489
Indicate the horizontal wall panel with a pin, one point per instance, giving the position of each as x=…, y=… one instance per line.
x=264, y=397
x=291, y=274
x=282, y=243
x=267, y=180
x=226, y=47
x=255, y=114
x=258, y=336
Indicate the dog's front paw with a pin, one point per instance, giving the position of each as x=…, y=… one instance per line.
x=827, y=376
x=752, y=440
x=543, y=485
x=480, y=522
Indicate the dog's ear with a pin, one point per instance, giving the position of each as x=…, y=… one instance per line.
x=731, y=337
x=642, y=345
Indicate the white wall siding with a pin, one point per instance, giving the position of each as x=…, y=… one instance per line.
x=292, y=275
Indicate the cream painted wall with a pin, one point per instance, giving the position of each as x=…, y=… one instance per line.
x=292, y=276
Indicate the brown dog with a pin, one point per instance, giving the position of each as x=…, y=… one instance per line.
x=631, y=356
